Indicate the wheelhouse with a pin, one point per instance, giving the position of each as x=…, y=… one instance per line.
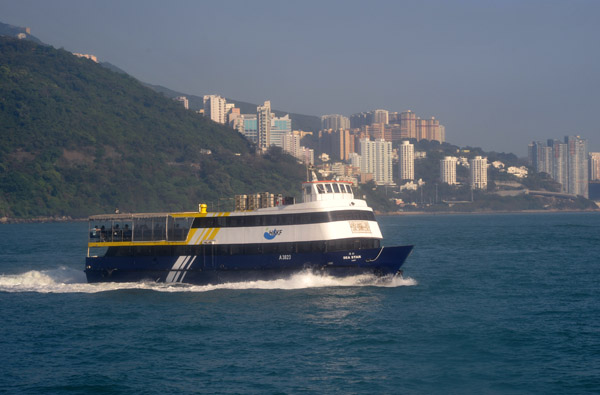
x=313, y=191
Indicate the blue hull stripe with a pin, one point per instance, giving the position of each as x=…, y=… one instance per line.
x=211, y=269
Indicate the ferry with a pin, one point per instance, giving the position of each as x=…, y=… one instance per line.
x=266, y=237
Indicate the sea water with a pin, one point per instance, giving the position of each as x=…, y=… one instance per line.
x=498, y=303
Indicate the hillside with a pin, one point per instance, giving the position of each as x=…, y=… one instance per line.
x=309, y=123
x=15, y=31
x=77, y=138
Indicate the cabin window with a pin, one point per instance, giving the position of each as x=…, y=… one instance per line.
x=348, y=188
x=328, y=186
x=320, y=188
x=149, y=228
x=178, y=228
x=336, y=188
x=111, y=231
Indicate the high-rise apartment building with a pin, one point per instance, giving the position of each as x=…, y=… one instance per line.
x=448, y=170
x=408, y=125
x=478, y=167
x=413, y=127
x=565, y=161
x=558, y=162
x=385, y=171
x=183, y=100
x=360, y=119
x=247, y=125
x=279, y=127
x=376, y=159
x=377, y=131
x=334, y=122
x=354, y=159
x=263, y=120
x=337, y=143
x=215, y=108
x=595, y=166
x=381, y=117
x=291, y=144
x=367, y=156
x=430, y=129
x=394, y=117
x=578, y=166
x=540, y=157
x=406, y=161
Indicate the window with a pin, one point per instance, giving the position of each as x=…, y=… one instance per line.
x=178, y=228
x=336, y=188
x=328, y=186
x=281, y=219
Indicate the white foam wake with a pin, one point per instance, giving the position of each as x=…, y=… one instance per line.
x=66, y=280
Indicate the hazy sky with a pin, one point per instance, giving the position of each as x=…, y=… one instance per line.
x=497, y=74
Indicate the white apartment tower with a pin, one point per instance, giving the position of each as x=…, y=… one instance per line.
x=577, y=166
x=376, y=158
x=263, y=117
x=478, y=167
x=448, y=170
x=291, y=144
x=406, y=159
x=215, y=108
x=595, y=166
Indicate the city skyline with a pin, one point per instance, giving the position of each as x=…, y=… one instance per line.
x=567, y=162
x=489, y=70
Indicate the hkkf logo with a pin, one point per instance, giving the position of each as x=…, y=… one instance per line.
x=271, y=234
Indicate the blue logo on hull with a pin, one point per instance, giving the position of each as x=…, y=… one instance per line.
x=271, y=234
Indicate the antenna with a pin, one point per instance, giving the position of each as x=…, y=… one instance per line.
x=314, y=175
x=307, y=166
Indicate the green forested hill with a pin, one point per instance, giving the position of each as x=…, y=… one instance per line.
x=76, y=139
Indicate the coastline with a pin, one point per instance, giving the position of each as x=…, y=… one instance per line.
x=40, y=220
x=66, y=218
x=551, y=211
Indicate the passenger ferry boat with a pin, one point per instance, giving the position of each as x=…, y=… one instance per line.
x=265, y=238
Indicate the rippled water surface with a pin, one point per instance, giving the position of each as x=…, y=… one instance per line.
x=499, y=303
